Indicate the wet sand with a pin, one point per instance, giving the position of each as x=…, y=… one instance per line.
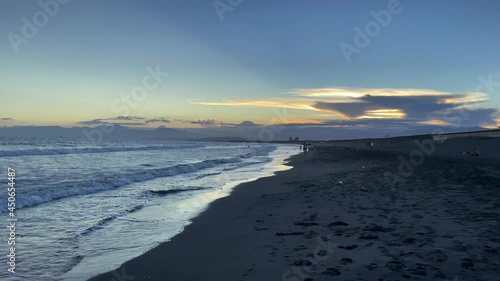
x=339, y=215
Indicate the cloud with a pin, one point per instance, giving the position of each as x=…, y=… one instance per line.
x=7, y=119
x=207, y=123
x=416, y=105
x=344, y=92
x=118, y=120
x=204, y=122
x=410, y=102
x=348, y=110
x=467, y=116
x=129, y=124
x=276, y=103
x=407, y=106
x=94, y=122
x=158, y=120
x=129, y=118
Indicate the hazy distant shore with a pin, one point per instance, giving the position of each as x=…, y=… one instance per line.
x=349, y=212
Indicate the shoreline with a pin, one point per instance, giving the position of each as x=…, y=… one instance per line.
x=333, y=214
x=172, y=212
x=213, y=212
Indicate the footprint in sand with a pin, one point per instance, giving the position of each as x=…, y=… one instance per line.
x=332, y=271
x=349, y=247
x=467, y=263
x=346, y=261
x=438, y=256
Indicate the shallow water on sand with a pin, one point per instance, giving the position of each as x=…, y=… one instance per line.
x=84, y=210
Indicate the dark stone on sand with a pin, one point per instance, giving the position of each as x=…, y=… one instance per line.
x=368, y=237
x=338, y=223
x=331, y=271
x=289, y=233
x=346, y=261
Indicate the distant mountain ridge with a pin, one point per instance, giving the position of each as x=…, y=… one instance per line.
x=244, y=132
x=104, y=131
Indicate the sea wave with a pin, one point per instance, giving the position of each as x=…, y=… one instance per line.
x=100, y=224
x=85, y=150
x=166, y=192
x=83, y=187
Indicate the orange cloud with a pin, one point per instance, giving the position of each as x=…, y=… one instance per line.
x=383, y=114
x=434, y=122
x=365, y=103
x=361, y=92
x=300, y=121
x=277, y=103
x=467, y=98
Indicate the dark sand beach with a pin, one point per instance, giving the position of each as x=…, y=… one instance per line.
x=339, y=215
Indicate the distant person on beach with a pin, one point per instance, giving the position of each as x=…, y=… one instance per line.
x=370, y=145
x=474, y=152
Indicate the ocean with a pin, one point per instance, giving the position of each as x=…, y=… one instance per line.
x=83, y=209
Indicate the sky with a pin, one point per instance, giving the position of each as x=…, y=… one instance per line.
x=198, y=64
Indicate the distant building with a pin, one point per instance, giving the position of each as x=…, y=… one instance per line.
x=296, y=138
x=290, y=139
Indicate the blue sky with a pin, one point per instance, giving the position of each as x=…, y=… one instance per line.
x=91, y=53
